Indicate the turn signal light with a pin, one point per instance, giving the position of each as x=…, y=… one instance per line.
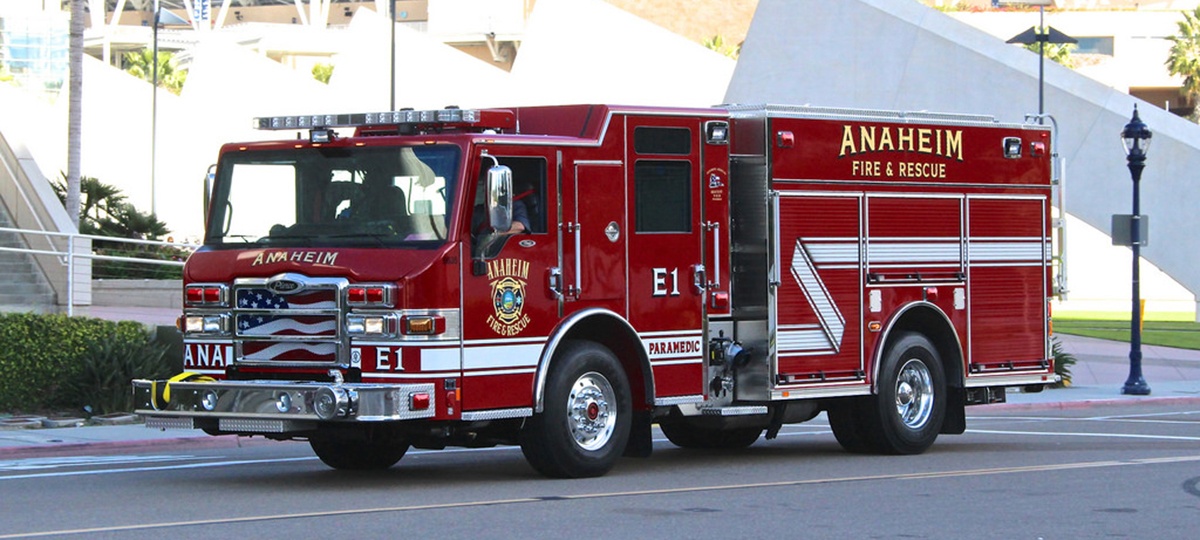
x=422, y=325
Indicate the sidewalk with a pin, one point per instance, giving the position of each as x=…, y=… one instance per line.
x=1099, y=374
x=1101, y=369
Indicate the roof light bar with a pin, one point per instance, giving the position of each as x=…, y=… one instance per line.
x=474, y=117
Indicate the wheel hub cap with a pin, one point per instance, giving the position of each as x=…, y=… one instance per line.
x=914, y=394
x=591, y=413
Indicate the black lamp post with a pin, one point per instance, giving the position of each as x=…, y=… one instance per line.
x=1136, y=138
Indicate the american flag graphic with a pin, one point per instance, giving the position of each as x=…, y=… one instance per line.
x=265, y=316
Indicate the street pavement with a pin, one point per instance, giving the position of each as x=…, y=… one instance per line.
x=1098, y=376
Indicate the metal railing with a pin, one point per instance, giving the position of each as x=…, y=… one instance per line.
x=71, y=257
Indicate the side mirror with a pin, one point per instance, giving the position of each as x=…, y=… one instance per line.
x=210, y=178
x=499, y=198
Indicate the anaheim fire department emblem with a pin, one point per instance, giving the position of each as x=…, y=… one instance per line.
x=507, y=277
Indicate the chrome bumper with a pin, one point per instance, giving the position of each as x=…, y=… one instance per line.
x=275, y=406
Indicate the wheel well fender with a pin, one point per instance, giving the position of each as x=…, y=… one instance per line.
x=611, y=330
x=930, y=321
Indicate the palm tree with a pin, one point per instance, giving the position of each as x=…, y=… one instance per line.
x=169, y=76
x=1184, y=58
x=1057, y=52
x=75, y=110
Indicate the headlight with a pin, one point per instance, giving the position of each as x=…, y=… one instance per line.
x=205, y=324
x=370, y=325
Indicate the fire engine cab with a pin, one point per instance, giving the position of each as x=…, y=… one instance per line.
x=562, y=278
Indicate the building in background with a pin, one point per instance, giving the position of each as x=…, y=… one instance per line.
x=251, y=58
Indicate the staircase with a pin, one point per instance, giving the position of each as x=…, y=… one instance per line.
x=22, y=285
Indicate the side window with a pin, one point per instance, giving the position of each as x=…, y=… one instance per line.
x=662, y=140
x=529, y=191
x=663, y=196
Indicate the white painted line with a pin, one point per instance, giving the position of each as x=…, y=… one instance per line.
x=1099, y=435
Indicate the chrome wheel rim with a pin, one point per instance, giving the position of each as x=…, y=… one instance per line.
x=914, y=394
x=591, y=411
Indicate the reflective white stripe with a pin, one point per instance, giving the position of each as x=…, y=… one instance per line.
x=833, y=324
x=914, y=252
x=832, y=253
x=802, y=341
x=667, y=333
x=512, y=356
x=439, y=360
x=986, y=251
x=898, y=251
x=499, y=372
x=693, y=360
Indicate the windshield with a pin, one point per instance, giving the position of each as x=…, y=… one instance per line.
x=369, y=196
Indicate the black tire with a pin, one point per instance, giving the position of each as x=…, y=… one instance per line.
x=686, y=435
x=845, y=419
x=907, y=412
x=358, y=455
x=585, y=423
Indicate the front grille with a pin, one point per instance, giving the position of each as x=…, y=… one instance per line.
x=298, y=329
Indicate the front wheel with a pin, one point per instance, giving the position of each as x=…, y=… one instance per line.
x=585, y=424
x=358, y=455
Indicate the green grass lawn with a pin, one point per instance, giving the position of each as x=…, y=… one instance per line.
x=1181, y=334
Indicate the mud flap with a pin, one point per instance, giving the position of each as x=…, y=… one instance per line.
x=641, y=443
x=955, y=422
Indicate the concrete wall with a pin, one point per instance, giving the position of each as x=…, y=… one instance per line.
x=147, y=293
x=899, y=54
x=26, y=194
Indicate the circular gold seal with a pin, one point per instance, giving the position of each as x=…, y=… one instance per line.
x=508, y=297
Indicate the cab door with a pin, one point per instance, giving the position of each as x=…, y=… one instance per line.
x=509, y=306
x=668, y=278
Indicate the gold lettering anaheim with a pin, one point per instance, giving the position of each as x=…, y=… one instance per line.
x=316, y=258
x=945, y=143
x=500, y=268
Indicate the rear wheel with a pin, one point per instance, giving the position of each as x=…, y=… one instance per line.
x=585, y=424
x=906, y=415
x=358, y=455
x=846, y=420
x=685, y=435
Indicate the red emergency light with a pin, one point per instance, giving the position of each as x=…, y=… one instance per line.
x=205, y=295
x=369, y=295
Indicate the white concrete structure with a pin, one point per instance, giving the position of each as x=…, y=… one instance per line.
x=429, y=74
x=587, y=51
x=899, y=54
x=572, y=51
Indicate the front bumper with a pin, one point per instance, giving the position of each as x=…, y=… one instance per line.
x=277, y=406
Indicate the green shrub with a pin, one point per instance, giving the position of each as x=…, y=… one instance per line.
x=45, y=358
x=1063, y=361
x=102, y=384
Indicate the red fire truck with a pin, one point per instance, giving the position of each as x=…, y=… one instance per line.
x=562, y=278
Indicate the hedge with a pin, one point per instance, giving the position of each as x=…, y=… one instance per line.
x=60, y=363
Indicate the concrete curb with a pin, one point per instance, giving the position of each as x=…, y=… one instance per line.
x=1087, y=403
x=111, y=447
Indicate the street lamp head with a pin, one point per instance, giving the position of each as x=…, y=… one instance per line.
x=1136, y=136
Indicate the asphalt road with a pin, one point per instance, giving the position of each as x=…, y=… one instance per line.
x=1102, y=471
